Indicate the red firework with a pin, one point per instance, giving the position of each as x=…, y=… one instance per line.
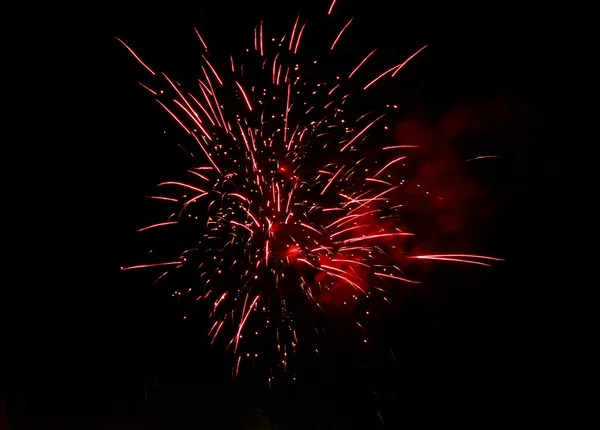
x=292, y=199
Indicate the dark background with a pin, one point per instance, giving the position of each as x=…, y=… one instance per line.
x=89, y=347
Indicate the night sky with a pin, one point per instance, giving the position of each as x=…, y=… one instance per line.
x=510, y=347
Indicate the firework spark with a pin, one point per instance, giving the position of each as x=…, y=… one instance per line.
x=286, y=199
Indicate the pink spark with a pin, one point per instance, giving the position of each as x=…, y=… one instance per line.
x=143, y=266
x=332, y=179
x=175, y=117
x=385, y=148
x=168, y=199
x=375, y=236
x=331, y=7
x=293, y=31
x=149, y=89
x=201, y=40
x=299, y=36
x=385, y=275
x=213, y=69
x=458, y=258
x=136, y=57
x=361, y=133
x=160, y=224
x=361, y=63
x=407, y=60
x=340, y=34
x=245, y=96
x=388, y=165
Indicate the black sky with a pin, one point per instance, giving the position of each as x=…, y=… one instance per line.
x=92, y=343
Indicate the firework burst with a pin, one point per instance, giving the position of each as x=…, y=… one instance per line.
x=292, y=201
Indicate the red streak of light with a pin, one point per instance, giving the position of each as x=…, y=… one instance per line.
x=361, y=133
x=243, y=136
x=168, y=199
x=218, y=302
x=299, y=36
x=407, y=60
x=331, y=7
x=399, y=146
x=214, y=94
x=292, y=137
x=458, y=258
x=206, y=153
x=381, y=76
x=149, y=89
x=252, y=216
x=278, y=197
x=354, y=248
x=181, y=184
x=160, y=224
x=293, y=31
x=307, y=262
x=201, y=40
x=245, y=96
x=483, y=257
x=217, y=332
x=361, y=63
x=214, y=324
x=205, y=92
x=213, y=70
x=142, y=266
x=237, y=367
x=267, y=253
x=388, y=165
x=136, y=57
x=193, y=199
x=370, y=200
x=175, y=117
x=287, y=109
x=239, y=196
x=347, y=280
x=237, y=337
x=385, y=275
x=350, y=262
x=481, y=157
x=204, y=85
x=378, y=180
x=310, y=228
x=198, y=175
x=332, y=179
x=340, y=34
x=262, y=53
x=203, y=109
x=333, y=89
x=181, y=95
x=275, y=66
x=348, y=218
x=241, y=225
x=194, y=118
x=347, y=229
x=375, y=236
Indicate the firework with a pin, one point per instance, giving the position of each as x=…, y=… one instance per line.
x=292, y=200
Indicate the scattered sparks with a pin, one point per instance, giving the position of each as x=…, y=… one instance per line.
x=287, y=200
